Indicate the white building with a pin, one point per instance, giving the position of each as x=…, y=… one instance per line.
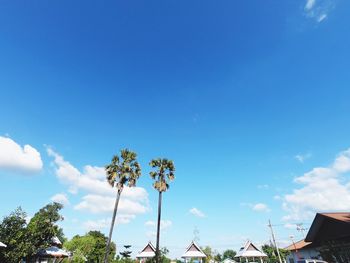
x=147, y=253
x=194, y=253
x=249, y=252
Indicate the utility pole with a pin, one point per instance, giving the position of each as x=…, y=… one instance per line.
x=274, y=242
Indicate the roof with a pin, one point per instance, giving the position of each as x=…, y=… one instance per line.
x=55, y=241
x=194, y=251
x=329, y=226
x=250, y=250
x=298, y=245
x=148, y=252
x=53, y=252
x=2, y=244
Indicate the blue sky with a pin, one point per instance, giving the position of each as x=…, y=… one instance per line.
x=249, y=98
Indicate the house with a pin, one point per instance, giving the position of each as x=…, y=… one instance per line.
x=330, y=233
x=328, y=239
x=301, y=250
x=193, y=253
x=148, y=252
x=250, y=252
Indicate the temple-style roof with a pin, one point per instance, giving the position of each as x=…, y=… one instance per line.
x=250, y=250
x=148, y=252
x=2, y=244
x=53, y=252
x=194, y=251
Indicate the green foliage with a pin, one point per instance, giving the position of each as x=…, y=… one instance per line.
x=13, y=233
x=272, y=255
x=229, y=253
x=208, y=252
x=126, y=253
x=165, y=171
x=25, y=240
x=123, y=170
x=42, y=227
x=91, y=246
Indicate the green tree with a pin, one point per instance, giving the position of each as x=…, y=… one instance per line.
x=163, y=174
x=126, y=254
x=229, y=253
x=43, y=227
x=208, y=252
x=123, y=170
x=13, y=234
x=271, y=253
x=90, y=247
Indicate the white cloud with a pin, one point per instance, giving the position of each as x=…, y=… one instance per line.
x=318, y=10
x=302, y=157
x=99, y=195
x=196, y=212
x=102, y=204
x=310, y=4
x=164, y=224
x=15, y=157
x=323, y=189
x=260, y=207
x=105, y=223
x=263, y=186
x=60, y=198
x=290, y=226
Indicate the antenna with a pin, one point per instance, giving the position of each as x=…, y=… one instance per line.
x=301, y=229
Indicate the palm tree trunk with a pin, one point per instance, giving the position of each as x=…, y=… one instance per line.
x=112, y=225
x=158, y=226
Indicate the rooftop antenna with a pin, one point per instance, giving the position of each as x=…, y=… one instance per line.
x=301, y=229
x=196, y=235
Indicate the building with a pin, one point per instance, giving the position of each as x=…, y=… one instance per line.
x=330, y=234
x=193, y=253
x=148, y=252
x=249, y=252
x=301, y=250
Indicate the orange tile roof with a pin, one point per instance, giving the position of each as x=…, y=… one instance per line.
x=345, y=217
x=297, y=245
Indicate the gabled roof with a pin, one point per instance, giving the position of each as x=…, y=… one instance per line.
x=54, y=252
x=329, y=226
x=148, y=252
x=194, y=251
x=250, y=250
x=298, y=245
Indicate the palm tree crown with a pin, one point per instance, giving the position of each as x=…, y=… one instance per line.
x=125, y=171
x=165, y=170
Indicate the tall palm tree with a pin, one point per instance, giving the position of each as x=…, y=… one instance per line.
x=123, y=170
x=163, y=174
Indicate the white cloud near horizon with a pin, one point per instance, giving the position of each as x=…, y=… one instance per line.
x=99, y=196
x=60, y=198
x=196, y=212
x=322, y=189
x=14, y=157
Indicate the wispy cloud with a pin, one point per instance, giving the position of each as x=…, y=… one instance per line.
x=60, y=198
x=261, y=207
x=302, y=157
x=196, y=212
x=318, y=10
